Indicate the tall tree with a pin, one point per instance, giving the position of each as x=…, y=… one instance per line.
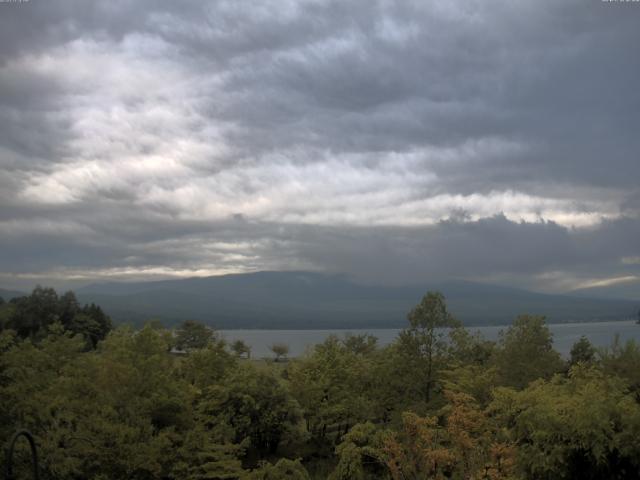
x=423, y=343
x=582, y=351
x=33, y=312
x=334, y=386
x=68, y=307
x=102, y=321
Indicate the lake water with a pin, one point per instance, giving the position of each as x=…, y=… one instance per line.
x=601, y=334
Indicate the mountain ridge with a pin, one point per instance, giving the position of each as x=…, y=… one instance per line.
x=7, y=294
x=619, y=291
x=302, y=300
x=312, y=300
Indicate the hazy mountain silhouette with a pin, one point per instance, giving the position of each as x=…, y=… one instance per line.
x=627, y=290
x=7, y=295
x=299, y=300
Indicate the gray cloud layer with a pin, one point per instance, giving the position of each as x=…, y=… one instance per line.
x=394, y=141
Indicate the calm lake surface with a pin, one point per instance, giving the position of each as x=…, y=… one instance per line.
x=601, y=334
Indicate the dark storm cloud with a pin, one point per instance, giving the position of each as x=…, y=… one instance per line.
x=489, y=248
x=392, y=141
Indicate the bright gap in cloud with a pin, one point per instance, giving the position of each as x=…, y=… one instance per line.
x=607, y=282
x=151, y=272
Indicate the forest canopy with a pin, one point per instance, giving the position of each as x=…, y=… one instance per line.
x=439, y=402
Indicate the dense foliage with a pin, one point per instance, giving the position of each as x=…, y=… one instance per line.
x=438, y=403
x=31, y=316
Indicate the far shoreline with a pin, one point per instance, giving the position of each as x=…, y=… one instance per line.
x=601, y=334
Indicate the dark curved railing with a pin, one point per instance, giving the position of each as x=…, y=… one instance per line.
x=9, y=458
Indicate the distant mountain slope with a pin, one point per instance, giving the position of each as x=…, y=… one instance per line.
x=300, y=300
x=629, y=290
x=7, y=295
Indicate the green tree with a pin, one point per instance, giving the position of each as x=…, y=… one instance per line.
x=240, y=348
x=284, y=469
x=155, y=323
x=101, y=324
x=255, y=406
x=466, y=348
x=204, y=453
x=280, y=350
x=32, y=315
x=584, y=426
x=68, y=308
x=34, y=312
x=422, y=345
x=359, y=454
x=582, y=352
x=192, y=335
x=114, y=414
x=27, y=372
x=526, y=352
x=87, y=327
x=623, y=360
x=334, y=387
x=469, y=367
x=7, y=311
x=208, y=366
x=363, y=344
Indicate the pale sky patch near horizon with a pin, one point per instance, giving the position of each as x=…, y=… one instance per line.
x=398, y=143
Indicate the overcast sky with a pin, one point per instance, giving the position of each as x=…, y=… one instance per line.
x=397, y=142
